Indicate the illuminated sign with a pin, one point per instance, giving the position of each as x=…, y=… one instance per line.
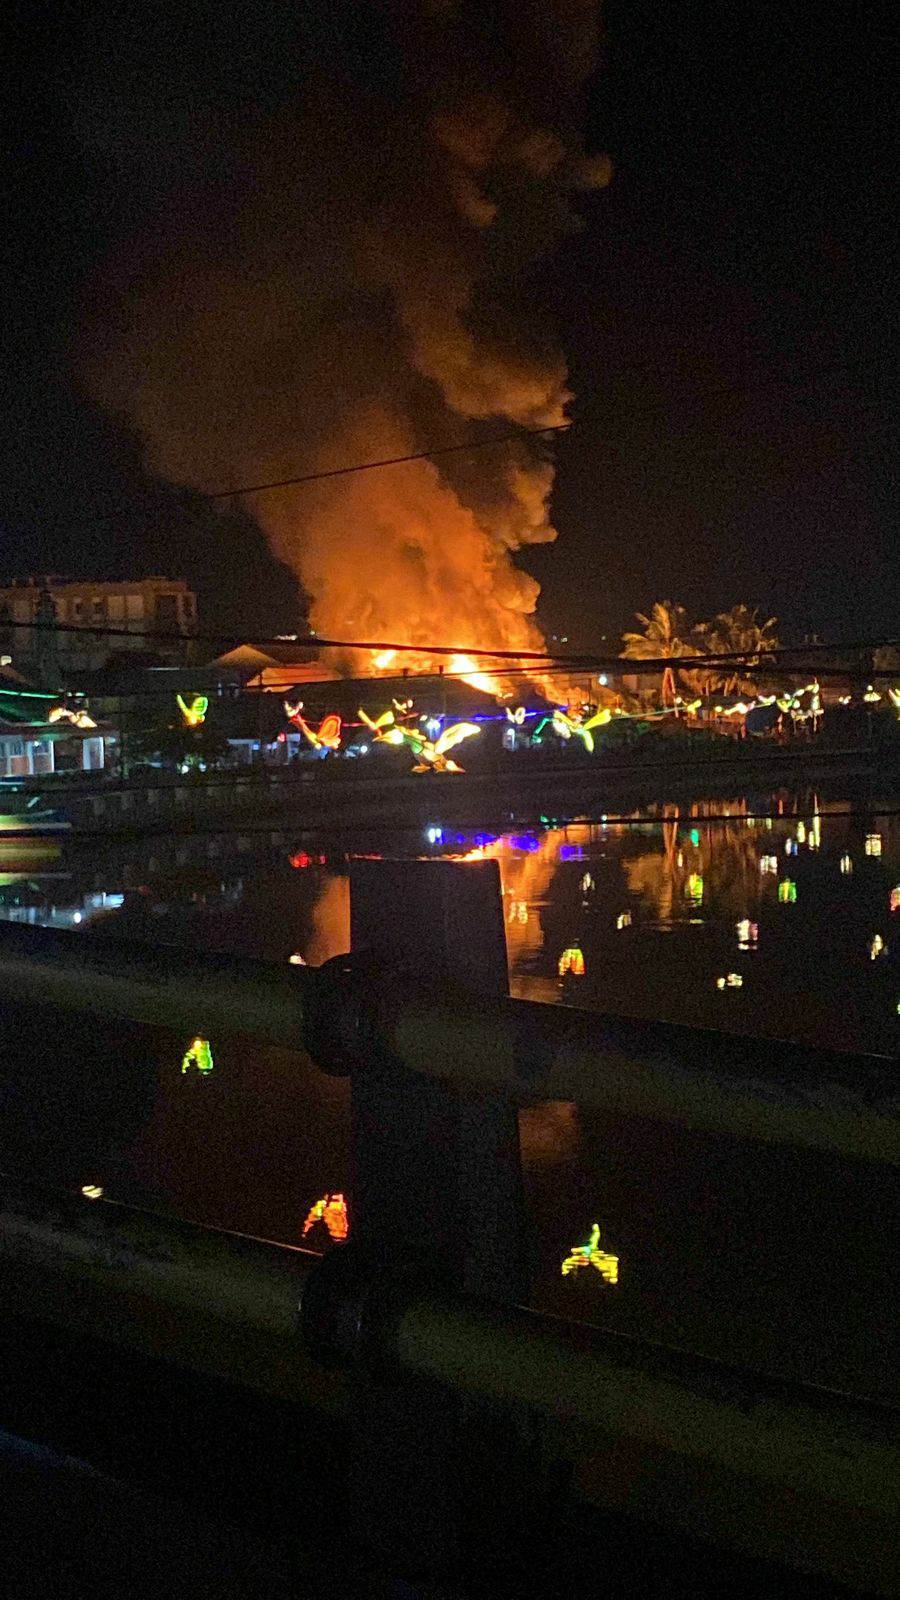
x=590, y=1255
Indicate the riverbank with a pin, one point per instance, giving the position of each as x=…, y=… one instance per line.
x=338, y=794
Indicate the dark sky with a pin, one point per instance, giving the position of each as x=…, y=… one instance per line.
x=727, y=310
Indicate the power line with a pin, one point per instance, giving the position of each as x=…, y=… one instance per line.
x=584, y=420
x=583, y=662
x=432, y=454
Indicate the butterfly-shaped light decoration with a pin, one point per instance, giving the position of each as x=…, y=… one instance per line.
x=569, y=726
x=516, y=717
x=383, y=728
x=328, y=734
x=193, y=711
x=433, y=753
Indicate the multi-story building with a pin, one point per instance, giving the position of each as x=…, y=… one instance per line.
x=132, y=609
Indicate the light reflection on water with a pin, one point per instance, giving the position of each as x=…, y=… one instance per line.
x=715, y=1242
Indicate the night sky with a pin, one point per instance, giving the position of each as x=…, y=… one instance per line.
x=726, y=309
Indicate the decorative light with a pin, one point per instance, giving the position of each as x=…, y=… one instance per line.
x=801, y=832
x=432, y=754
x=193, y=712
x=516, y=716
x=871, y=696
x=732, y=980
x=78, y=718
x=572, y=962
x=895, y=898
x=873, y=844
x=328, y=734
x=301, y=859
x=787, y=891
x=623, y=920
x=693, y=889
x=588, y=885
x=199, y=1055
x=748, y=934
x=694, y=837
x=768, y=864
x=572, y=725
x=590, y=1255
x=846, y=864
x=92, y=1191
x=296, y=960
x=877, y=947
x=434, y=835
x=332, y=1210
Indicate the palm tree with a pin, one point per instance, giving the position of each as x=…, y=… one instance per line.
x=739, y=630
x=667, y=634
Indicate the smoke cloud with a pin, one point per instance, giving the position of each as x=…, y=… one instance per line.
x=354, y=279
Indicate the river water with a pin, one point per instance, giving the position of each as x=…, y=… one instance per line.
x=769, y=915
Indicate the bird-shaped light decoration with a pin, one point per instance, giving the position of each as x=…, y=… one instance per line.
x=590, y=1255
x=79, y=719
x=194, y=713
x=568, y=725
x=328, y=734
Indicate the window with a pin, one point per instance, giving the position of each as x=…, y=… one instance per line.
x=167, y=612
x=135, y=607
x=98, y=610
x=115, y=608
x=77, y=609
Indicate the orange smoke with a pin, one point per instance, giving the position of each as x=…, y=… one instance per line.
x=361, y=292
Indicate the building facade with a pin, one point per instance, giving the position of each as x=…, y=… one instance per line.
x=132, y=608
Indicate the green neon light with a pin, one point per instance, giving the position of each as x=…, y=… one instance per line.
x=199, y=1055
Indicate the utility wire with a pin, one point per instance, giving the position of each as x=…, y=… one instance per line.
x=582, y=662
x=387, y=461
x=583, y=420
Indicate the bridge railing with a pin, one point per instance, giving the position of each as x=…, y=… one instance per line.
x=438, y=1065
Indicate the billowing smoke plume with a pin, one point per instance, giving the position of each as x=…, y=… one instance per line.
x=356, y=283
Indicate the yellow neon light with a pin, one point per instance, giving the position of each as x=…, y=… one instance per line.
x=590, y=1255
x=194, y=714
